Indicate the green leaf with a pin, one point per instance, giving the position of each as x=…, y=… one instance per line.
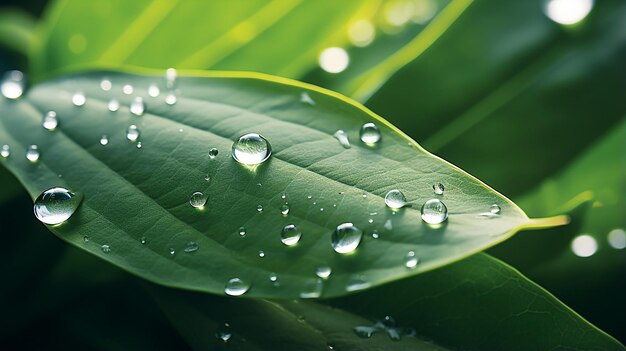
x=278, y=37
x=479, y=303
x=16, y=30
x=131, y=193
x=517, y=91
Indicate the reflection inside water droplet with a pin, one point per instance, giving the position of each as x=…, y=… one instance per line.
x=251, y=149
x=346, y=238
x=32, y=153
x=198, y=199
x=434, y=211
x=50, y=121
x=395, y=199
x=370, y=134
x=236, y=287
x=55, y=206
x=290, y=235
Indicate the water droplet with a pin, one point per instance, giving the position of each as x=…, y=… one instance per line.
x=85, y=239
x=139, y=145
x=242, y=231
x=370, y=134
x=495, y=209
x=617, y=239
x=191, y=246
x=364, y=331
x=321, y=209
x=584, y=245
x=207, y=178
x=143, y=240
x=198, y=199
x=273, y=277
x=334, y=60
x=251, y=149
x=105, y=248
x=323, y=272
x=12, y=85
x=5, y=151
x=342, y=137
x=567, y=12
x=137, y=106
x=153, y=90
x=259, y=208
x=438, y=188
x=56, y=205
x=346, y=238
x=236, y=287
x=104, y=140
x=224, y=333
x=388, y=225
x=171, y=99
x=312, y=290
x=283, y=196
x=50, y=121
x=370, y=221
x=261, y=253
x=356, y=283
x=284, y=209
x=375, y=234
x=434, y=211
x=170, y=78
x=113, y=105
x=305, y=98
x=410, y=260
x=132, y=133
x=395, y=199
x=106, y=84
x=32, y=153
x=213, y=153
x=290, y=235
x=172, y=251
x=79, y=99
x=127, y=89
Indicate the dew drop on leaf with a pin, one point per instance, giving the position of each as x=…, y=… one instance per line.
x=137, y=106
x=105, y=248
x=132, y=133
x=346, y=238
x=171, y=99
x=434, y=211
x=104, y=140
x=213, y=153
x=79, y=99
x=323, y=272
x=356, y=283
x=370, y=134
x=236, y=287
x=50, y=121
x=153, y=90
x=395, y=199
x=191, y=246
x=438, y=188
x=127, y=89
x=242, y=231
x=495, y=209
x=342, y=137
x=12, y=85
x=106, y=84
x=411, y=260
x=312, y=290
x=55, y=206
x=305, y=98
x=32, y=153
x=198, y=199
x=290, y=235
x=284, y=210
x=224, y=333
x=113, y=105
x=5, y=151
x=251, y=149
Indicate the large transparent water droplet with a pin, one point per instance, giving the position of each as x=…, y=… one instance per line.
x=313, y=290
x=323, y=272
x=5, y=151
x=50, y=121
x=395, y=199
x=137, y=106
x=346, y=238
x=191, y=246
x=251, y=149
x=411, y=260
x=370, y=134
x=434, y=211
x=113, y=105
x=153, y=90
x=132, y=133
x=56, y=205
x=104, y=140
x=236, y=287
x=290, y=235
x=438, y=188
x=78, y=99
x=32, y=153
x=213, y=153
x=198, y=199
x=12, y=85
x=342, y=137
x=495, y=209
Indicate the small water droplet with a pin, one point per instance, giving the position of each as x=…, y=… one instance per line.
x=224, y=333
x=284, y=209
x=86, y=238
x=312, y=290
x=153, y=90
x=438, y=188
x=132, y=133
x=342, y=137
x=370, y=221
x=242, y=231
x=12, y=85
x=290, y=235
x=375, y=234
x=388, y=225
x=323, y=272
x=213, y=153
x=172, y=251
x=434, y=211
x=395, y=199
x=370, y=134
x=321, y=209
x=50, y=121
x=356, y=283
x=346, y=238
x=198, y=199
x=236, y=287
x=259, y=208
x=113, y=105
x=364, y=195
x=364, y=331
x=104, y=140
x=273, y=277
x=171, y=99
x=32, y=153
x=251, y=149
x=106, y=84
x=139, y=145
x=261, y=253
x=495, y=209
x=207, y=178
x=170, y=78
x=137, y=106
x=5, y=152
x=191, y=246
x=105, y=248
x=410, y=260
x=305, y=98
x=143, y=240
x=127, y=89
x=283, y=196
x=79, y=99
